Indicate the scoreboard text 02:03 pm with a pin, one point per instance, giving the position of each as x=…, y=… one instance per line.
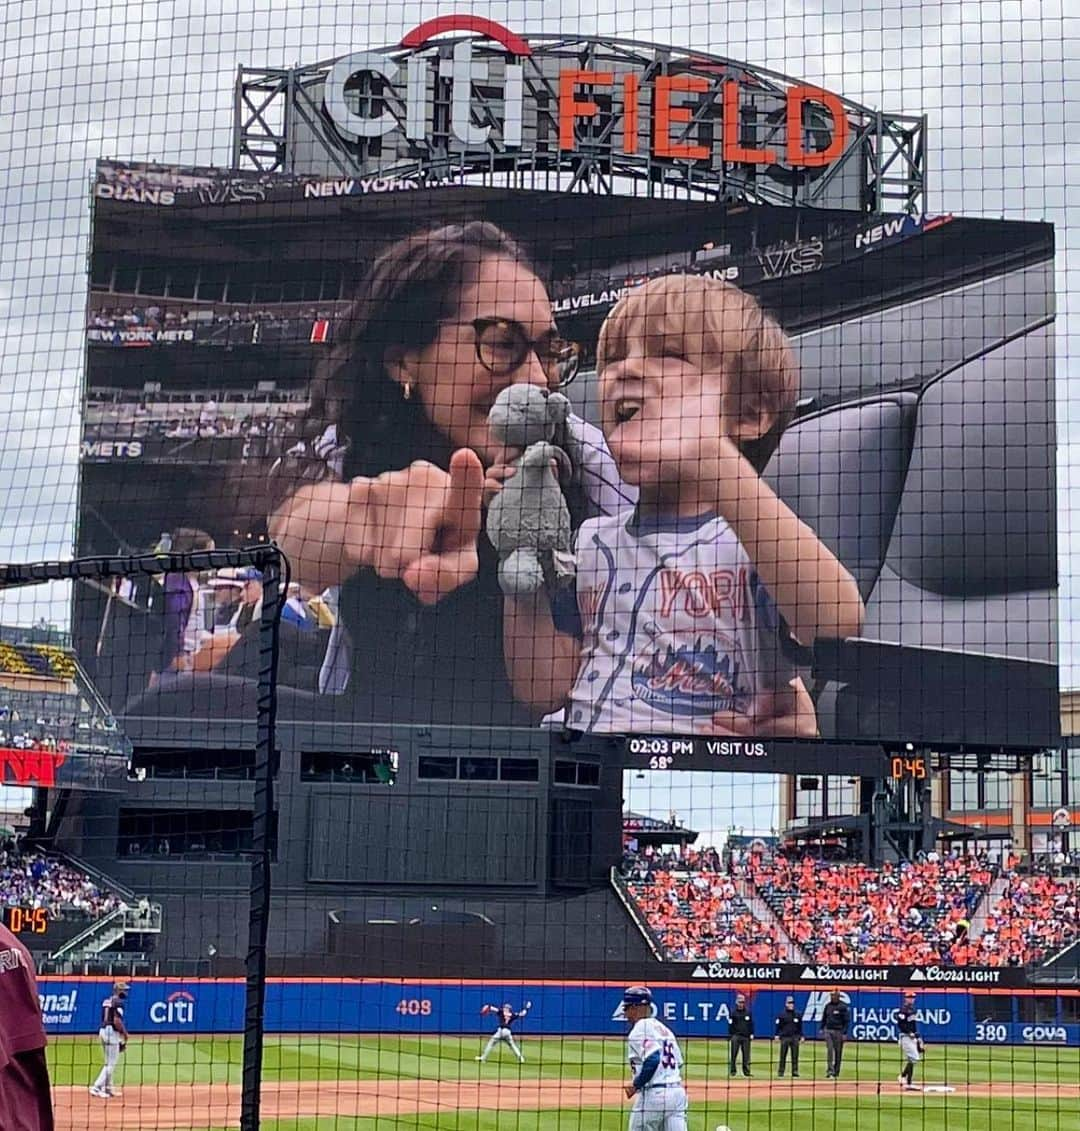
x=775, y=756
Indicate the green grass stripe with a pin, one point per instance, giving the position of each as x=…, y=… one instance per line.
x=904, y=1113
x=217, y=1059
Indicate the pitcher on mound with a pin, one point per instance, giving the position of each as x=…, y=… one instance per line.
x=656, y=1062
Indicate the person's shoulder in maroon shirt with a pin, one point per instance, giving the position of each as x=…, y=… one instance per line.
x=25, y=1098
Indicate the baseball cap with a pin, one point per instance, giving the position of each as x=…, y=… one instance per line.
x=121, y=987
x=637, y=995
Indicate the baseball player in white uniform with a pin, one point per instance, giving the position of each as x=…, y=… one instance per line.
x=911, y=1044
x=113, y=1035
x=505, y=1017
x=656, y=1063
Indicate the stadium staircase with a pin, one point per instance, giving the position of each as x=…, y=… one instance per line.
x=985, y=906
x=622, y=892
x=763, y=913
x=110, y=929
x=133, y=916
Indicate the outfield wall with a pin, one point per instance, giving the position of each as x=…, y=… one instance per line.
x=1004, y=1017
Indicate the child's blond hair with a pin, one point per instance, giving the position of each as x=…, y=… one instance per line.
x=714, y=325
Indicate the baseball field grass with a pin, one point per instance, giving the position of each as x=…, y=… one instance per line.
x=358, y=1083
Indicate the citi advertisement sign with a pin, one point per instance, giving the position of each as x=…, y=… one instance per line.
x=692, y=113
x=177, y=1009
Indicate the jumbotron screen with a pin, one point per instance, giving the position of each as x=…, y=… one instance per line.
x=550, y=460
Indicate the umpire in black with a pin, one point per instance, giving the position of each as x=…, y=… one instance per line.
x=740, y=1034
x=834, y=1024
x=789, y=1030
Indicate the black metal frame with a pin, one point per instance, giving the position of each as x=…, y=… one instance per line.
x=887, y=151
x=275, y=582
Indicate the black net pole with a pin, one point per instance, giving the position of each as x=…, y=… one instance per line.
x=275, y=582
x=275, y=571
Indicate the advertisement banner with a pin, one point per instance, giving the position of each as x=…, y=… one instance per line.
x=699, y=374
x=570, y=1009
x=1012, y=977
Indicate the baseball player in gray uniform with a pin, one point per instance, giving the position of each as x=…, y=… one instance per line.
x=505, y=1017
x=113, y=1035
x=911, y=1044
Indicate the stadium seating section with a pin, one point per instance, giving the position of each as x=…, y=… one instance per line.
x=37, y=659
x=852, y=913
x=29, y=878
x=1034, y=918
x=695, y=912
x=943, y=910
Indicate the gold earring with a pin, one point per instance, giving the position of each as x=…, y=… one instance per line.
x=406, y=391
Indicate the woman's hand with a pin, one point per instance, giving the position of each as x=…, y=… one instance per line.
x=419, y=524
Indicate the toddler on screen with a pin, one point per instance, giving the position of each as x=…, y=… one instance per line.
x=689, y=608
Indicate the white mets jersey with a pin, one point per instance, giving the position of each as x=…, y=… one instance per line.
x=649, y=1036
x=678, y=632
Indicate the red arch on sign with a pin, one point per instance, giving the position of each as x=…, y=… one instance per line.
x=489, y=29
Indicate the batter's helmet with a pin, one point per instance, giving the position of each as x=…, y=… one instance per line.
x=637, y=995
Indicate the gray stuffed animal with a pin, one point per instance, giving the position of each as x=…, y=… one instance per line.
x=528, y=521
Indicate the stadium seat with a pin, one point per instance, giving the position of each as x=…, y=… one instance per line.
x=946, y=543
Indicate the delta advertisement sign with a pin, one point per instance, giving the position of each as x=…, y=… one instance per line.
x=695, y=115
x=567, y=1008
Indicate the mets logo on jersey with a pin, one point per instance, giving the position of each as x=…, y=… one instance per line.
x=684, y=680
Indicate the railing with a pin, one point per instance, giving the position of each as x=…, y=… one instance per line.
x=621, y=890
x=126, y=965
x=144, y=920
x=99, y=877
x=96, y=929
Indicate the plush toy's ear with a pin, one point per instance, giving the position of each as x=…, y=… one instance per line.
x=558, y=408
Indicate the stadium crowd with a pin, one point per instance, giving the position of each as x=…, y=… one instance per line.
x=155, y=316
x=694, y=910
x=1035, y=917
x=29, y=878
x=37, y=660
x=846, y=912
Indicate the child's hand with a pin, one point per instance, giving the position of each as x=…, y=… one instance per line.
x=503, y=467
x=697, y=453
x=721, y=473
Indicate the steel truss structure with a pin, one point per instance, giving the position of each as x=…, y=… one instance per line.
x=281, y=126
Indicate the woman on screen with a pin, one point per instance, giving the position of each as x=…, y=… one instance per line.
x=386, y=497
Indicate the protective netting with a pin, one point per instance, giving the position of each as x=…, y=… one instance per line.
x=555, y=605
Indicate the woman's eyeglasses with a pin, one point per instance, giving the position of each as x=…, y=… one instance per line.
x=503, y=346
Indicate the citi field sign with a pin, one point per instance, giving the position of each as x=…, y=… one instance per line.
x=489, y=88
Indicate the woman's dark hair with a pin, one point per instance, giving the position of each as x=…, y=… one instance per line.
x=411, y=287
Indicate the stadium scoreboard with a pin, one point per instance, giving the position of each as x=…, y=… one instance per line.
x=909, y=768
x=26, y=920
x=755, y=756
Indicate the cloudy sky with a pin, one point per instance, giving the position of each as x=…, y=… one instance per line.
x=1000, y=81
